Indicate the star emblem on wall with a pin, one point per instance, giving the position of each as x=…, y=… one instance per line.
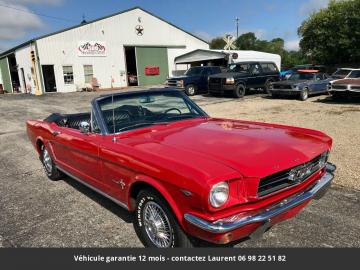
x=139, y=30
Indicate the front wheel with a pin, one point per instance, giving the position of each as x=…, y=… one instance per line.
x=49, y=166
x=155, y=224
x=190, y=90
x=239, y=91
x=304, y=94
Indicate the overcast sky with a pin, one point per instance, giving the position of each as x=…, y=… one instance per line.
x=206, y=18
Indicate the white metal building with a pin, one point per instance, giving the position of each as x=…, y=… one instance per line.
x=130, y=47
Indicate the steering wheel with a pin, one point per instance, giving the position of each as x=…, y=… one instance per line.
x=172, y=109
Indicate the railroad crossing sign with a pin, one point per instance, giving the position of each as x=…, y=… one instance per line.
x=229, y=40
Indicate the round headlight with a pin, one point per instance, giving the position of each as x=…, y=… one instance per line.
x=323, y=159
x=219, y=194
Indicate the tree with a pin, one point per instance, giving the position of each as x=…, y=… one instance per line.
x=249, y=41
x=246, y=41
x=217, y=43
x=332, y=35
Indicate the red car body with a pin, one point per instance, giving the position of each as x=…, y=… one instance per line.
x=184, y=159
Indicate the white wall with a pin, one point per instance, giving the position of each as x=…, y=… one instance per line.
x=116, y=31
x=23, y=60
x=1, y=81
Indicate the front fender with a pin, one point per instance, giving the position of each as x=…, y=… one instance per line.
x=161, y=189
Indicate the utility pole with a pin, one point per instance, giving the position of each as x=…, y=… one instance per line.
x=237, y=27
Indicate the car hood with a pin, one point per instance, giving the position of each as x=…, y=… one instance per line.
x=252, y=149
x=230, y=75
x=348, y=81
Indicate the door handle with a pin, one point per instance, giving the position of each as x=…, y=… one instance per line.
x=56, y=133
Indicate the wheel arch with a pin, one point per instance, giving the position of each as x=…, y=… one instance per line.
x=39, y=143
x=145, y=182
x=241, y=82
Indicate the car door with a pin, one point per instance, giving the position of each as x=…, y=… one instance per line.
x=116, y=167
x=204, y=79
x=317, y=84
x=78, y=154
x=257, y=78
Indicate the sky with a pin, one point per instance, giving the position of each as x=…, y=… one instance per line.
x=268, y=19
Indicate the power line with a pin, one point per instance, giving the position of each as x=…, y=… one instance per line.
x=38, y=14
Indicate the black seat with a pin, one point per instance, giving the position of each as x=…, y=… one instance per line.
x=68, y=120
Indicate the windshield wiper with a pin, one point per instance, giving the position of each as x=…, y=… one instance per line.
x=180, y=116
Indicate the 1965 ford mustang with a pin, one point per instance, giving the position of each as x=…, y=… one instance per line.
x=184, y=174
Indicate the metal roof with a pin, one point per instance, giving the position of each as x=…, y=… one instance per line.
x=5, y=53
x=199, y=55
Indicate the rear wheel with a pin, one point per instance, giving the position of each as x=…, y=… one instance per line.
x=304, y=94
x=49, y=166
x=155, y=224
x=190, y=90
x=239, y=91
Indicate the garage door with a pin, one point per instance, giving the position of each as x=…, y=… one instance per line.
x=150, y=56
x=6, y=81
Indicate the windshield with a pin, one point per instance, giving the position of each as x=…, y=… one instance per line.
x=354, y=74
x=238, y=68
x=193, y=71
x=301, y=76
x=341, y=72
x=136, y=110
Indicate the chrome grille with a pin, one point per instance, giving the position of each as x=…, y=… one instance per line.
x=215, y=84
x=355, y=87
x=343, y=87
x=171, y=83
x=288, y=177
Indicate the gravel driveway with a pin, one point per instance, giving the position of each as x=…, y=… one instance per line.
x=36, y=212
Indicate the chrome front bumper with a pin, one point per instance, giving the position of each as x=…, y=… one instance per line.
x=316, y=191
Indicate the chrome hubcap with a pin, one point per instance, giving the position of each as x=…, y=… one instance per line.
x=157, y=225
x=191, y=90
x=47, y=161
x=305, y=94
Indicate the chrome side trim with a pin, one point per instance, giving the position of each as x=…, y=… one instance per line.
x=123, y=205
x=271, y=211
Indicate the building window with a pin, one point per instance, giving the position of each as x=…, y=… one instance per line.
x=68, y=74
x=89, y=73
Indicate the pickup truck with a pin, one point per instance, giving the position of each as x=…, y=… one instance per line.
x=194, y=81
x=243, y=76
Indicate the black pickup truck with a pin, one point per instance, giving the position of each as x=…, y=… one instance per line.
x=194, y=81
x=243, y=76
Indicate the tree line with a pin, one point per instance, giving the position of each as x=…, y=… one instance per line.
x=329, y=36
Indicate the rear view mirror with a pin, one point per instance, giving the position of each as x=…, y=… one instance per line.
x=147, y=99
x=84, y=127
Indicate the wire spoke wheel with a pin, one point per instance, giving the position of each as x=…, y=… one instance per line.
x=47, y=161
x=157, y=225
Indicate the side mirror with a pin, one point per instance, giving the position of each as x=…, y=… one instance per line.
x=84, y=127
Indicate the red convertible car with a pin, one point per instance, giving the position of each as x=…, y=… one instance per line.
x=184, y=175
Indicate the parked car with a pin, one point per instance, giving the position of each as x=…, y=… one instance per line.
x=349, y=87
x=194, y=81
x=341, y=73
x=243, y=76
x=302, y=84
x=183, y=174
